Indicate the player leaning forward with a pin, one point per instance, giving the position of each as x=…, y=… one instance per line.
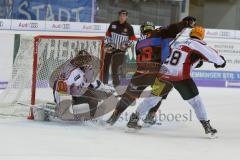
x=151, y=51
x=176, y=72
x=76, y=90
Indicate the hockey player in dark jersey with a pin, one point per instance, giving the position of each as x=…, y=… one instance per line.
x=151, y=53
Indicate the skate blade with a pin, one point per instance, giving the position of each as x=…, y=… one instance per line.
x=131, y=130
x=147, y=125
x=212, y=136
x=102, y=123
x=105, y=125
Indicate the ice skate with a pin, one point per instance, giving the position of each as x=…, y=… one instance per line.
x=209, y=130
x=133, y=122
x=113, y=119
x=150, y=120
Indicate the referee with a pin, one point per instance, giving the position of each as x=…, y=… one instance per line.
x=119, y=37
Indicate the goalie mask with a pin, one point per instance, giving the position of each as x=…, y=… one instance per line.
x=82, y=52
x=88, y=63
x=81, y=60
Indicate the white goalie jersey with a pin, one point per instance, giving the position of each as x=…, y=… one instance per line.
x=68, y=79
x=185, y=56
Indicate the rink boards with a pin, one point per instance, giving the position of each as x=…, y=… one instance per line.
x=226, y=42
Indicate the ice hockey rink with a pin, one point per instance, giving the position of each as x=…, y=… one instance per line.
x=37, y=36
x=23, y=139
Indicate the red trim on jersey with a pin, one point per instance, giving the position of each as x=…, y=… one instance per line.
x=185, y=49
x=187, y=64
x=193, y=51
x=133, y=38
x=108, y=33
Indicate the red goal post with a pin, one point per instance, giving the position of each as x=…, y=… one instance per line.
x=99, y=40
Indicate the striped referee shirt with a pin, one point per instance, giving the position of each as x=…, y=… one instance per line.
x=120, y=33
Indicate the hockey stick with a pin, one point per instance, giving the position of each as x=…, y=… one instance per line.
x=30, y=105
x=39, y=106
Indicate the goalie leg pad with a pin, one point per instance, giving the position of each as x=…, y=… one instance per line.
x=92, y=101
x=40, y=114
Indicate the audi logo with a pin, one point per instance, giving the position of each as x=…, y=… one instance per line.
x=33, y=25
x=66, y=26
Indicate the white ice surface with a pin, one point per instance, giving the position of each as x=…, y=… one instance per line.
x=21, y=139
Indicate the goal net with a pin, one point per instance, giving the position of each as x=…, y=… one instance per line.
x=36, y=59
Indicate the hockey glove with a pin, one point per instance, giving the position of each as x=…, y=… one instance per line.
x=98, y=85
x=106, y=88
x=222, y=65
x=191, y=21
x=109, y=48
x=124, y=46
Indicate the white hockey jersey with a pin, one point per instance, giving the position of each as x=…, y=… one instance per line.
x=185, y=56
x=70, y=79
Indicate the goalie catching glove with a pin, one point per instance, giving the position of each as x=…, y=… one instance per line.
x=98, y=85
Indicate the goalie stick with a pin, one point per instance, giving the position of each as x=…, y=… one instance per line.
x=40, y=106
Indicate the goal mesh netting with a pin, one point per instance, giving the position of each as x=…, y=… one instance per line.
x=36, y=59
